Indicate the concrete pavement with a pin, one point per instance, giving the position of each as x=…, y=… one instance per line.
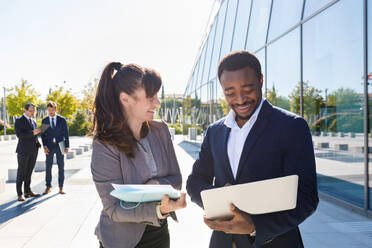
x=69, y=220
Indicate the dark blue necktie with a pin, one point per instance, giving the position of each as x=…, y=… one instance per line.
x=32, y=124
x=53, y=126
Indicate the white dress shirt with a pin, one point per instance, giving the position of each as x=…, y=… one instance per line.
x=238, y=137
x=55, y=123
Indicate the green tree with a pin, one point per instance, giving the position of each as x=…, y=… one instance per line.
x=277, y=100
x=312, y=100
x=80, y=125
x=89, y=94
x=345, y=98
x=224, y=106
x=18, y=97
x=67, y=104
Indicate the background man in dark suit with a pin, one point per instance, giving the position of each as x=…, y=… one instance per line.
x=56, y=133
x=27, y=150
x=256, y=141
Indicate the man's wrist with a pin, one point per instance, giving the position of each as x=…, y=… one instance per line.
x=159, y=214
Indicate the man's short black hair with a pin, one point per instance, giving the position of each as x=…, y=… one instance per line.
x=237, y=60
x=28, y=105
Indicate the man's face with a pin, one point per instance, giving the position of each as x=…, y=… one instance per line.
x=52, y=111
x=242, y=90
x=30, y=112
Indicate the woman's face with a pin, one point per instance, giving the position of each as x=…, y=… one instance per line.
x=140, y=107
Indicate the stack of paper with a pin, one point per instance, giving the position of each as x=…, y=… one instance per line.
x=143, y=192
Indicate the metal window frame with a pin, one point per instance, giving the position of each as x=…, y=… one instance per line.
x=366, y=106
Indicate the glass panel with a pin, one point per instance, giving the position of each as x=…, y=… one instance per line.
x=313, y=5
x=282, y=81
x=229, y=27
x=333, y=98
x=208, y=54
x=258, y=24
x=261, y=57
x=241, y=26
x=217, y=41
x=280, y=22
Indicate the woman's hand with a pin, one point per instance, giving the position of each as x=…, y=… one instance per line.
x=168, y=205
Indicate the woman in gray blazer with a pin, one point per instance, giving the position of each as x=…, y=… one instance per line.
x=130, y=147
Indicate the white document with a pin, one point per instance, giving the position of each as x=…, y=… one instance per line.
x=259, y=197
x=143, y=192
x=62, y=146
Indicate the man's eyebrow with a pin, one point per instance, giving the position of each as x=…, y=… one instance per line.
x=247, y=85
x=230, y=88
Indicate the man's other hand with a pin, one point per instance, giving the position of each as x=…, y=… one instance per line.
x=241, y=223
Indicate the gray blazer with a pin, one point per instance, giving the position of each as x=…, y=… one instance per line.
x=122, y=228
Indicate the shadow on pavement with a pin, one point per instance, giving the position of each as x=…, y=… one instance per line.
x=14, y=209
x=191, y=148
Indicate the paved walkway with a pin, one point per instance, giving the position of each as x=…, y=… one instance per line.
x=69, y=220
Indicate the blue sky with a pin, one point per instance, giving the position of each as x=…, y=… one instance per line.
x=49, y=42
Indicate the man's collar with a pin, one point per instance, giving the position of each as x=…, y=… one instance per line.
x=28, y=118
x=230, y=118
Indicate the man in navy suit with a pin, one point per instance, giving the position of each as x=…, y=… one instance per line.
x=56, y=133
x=255, y=141
x=27, y=150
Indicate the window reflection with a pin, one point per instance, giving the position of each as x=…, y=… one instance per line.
x=333, y=94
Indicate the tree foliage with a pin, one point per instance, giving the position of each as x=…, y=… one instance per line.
x=19, y=96
x=67, y=104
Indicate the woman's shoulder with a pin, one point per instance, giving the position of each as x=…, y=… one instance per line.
x=101, y=147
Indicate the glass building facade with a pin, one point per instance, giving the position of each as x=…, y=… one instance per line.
x=316, y=59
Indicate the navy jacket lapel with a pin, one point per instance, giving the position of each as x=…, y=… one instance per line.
x=226, y=162
x=254, y=134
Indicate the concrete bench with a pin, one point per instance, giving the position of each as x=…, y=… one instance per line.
x=323, y=145
x=12, y=174
x=70, y=155
x=341, y=134
x=352, y=135
x=192, y=133
x=13, y=137
x=78, y=151
x=172, y=132
x=6, y=137
x=85, y=148
x=333, y=134
x=324, y=134
x=2, y=184
x=39, y=166
x=360, y=149
x=342, y=147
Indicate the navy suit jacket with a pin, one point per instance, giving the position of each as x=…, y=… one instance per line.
x=279, y=144
x=60, y=132
x=27, y=141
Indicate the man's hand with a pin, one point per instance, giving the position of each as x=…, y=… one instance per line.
x=46, y=150
x=168, y=205
x=36, y=131
x=241, y=223
x=152, y=181
x=66, y=150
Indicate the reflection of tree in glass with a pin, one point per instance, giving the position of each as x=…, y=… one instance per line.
x=277, y=100
x=312, y=100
